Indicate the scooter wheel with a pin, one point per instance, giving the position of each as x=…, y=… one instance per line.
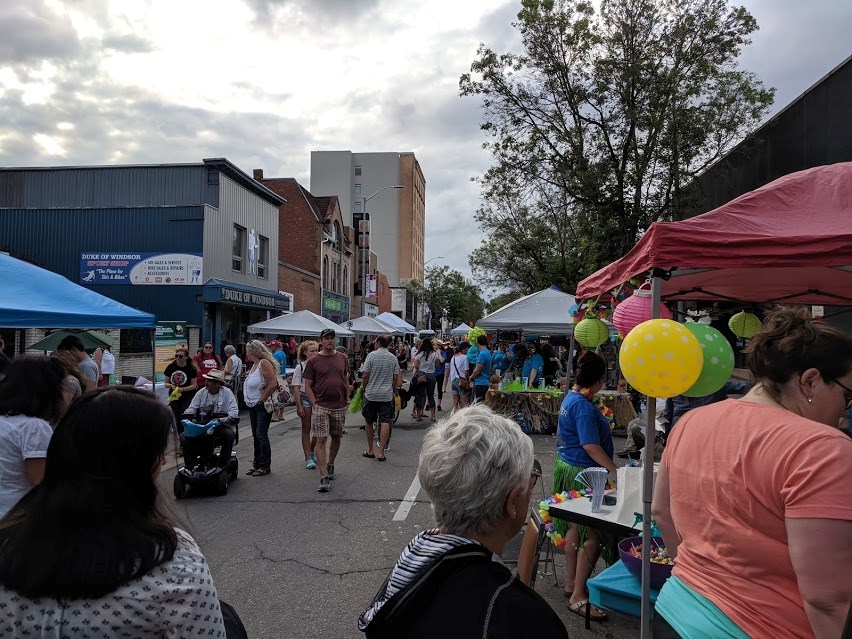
x=222, y=482
x=181, y=487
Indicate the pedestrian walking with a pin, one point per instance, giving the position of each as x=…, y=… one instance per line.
x=307, y=350
x=381, y=375
x=326, y=380
x=260, y=383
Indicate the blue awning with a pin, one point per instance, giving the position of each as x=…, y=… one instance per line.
x=224, y=292
x=33, y=297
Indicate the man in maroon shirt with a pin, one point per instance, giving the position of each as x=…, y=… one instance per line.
x=326, y=379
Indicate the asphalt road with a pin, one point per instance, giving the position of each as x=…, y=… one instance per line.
x=298, y=563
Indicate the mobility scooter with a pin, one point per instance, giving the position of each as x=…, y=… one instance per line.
x=204, y=469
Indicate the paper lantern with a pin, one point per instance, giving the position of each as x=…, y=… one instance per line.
x=744, y=325
x=591, y=332
x=718, y=360
x=635, y=310
x=661, y=358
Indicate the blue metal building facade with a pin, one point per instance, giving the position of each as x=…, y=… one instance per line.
x=51, y=216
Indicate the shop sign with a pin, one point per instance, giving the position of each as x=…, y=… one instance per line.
x=158, y=269
x=246, y=298
x=168, y=336
x=331, y=304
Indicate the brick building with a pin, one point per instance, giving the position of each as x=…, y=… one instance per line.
x=317, y=266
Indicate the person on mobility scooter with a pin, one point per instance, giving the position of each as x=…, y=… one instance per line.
x=214, y=416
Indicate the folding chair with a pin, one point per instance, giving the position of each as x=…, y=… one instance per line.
x=528, y=555
x=548, y=548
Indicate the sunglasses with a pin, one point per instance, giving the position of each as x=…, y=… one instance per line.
x=180, y=356
x=534, y=477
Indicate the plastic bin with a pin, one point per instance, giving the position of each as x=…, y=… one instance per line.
x=616, y=589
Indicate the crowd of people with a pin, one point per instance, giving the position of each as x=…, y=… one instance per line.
x=82, y=526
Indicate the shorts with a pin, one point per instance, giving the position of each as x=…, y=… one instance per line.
x=327, y=421
x=305, y=402
x=454, y=387
x=480, y=392
x=378, y=411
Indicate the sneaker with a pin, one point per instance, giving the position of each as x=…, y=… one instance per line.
x=314, y=458
x=324, y=485
x=310, y=464
x=330, y=469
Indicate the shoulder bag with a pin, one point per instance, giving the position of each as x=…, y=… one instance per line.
x=464, y=382
x=279, y=398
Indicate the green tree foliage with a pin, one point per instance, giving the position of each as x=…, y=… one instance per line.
x=599, y=125
x=444, y=287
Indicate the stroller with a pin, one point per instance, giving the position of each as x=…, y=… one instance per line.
x=204, y=468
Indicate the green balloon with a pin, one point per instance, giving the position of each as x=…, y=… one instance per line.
x=718, y=360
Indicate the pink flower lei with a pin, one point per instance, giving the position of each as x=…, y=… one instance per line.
x=597, y=401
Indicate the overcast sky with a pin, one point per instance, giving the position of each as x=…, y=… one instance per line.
x=265, y=82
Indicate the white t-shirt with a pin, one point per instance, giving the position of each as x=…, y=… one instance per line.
x=107, y=363
x=175, y=599
x=222, y=402
x=297, y=376
x=21, y=437
x=427, y=362
x=236, y=365
x=89, y=370
x=458, y=366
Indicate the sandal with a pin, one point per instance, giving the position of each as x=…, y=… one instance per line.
x=579, y=608
x=260, y=472
x=369, y=455
x=251, y=471
x=381, y=458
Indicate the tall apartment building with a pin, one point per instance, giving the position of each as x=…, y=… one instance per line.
x=396, y=217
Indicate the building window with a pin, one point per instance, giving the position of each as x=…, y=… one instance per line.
x=357, y=170
x=357, y=189
x=345, y=289
x=239, y=250
x=359, y=206
x=325, y=275
x=382, y=287
x=135, y=341
x=335, y=236
x=262, y=257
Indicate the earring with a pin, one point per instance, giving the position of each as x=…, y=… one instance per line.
x=810, y=400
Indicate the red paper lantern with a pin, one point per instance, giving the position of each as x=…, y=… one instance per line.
x=635, y=310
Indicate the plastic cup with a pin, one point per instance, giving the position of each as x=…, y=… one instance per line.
x=525, y=381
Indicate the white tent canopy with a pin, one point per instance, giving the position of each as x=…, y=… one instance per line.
x=300, y=323
x=542, y=313
x=397, y=322
x=461, y=329
x=369, y=326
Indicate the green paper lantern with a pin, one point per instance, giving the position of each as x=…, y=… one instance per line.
x=718, y=360
x=591, y=332
x=744, y=325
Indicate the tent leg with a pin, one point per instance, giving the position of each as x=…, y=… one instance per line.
x=648, y=485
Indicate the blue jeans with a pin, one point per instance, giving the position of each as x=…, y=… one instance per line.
x=260, y=420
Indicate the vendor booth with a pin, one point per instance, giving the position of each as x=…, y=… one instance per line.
x=397, y=322
x=369, y=326
x=37, y=298
x=460, y=330
x=789, y=241
x=542, y=313
x=300, y=324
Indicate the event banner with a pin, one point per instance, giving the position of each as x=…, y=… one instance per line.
x=163, y=269
x=168, y=336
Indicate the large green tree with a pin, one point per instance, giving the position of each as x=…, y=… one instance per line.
x=446, y=288
x=599, y=125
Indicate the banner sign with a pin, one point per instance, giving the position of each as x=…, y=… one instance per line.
x=160, y=269
x=168, y=336
x=372, y=285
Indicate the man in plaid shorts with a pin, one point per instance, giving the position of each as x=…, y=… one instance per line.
x=326, y=379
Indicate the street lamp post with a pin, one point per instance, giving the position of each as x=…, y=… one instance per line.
x=364, y=221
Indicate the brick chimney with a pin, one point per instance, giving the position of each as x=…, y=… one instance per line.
x=257, y=174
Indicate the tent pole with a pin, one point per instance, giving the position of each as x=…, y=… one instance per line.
x=154, y=360
x=648, y=483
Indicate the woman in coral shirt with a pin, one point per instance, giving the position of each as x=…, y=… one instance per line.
x=753, y=499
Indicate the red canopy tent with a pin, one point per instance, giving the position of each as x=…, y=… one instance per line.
x=788, y=241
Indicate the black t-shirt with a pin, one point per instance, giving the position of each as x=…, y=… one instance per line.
x=181, y=375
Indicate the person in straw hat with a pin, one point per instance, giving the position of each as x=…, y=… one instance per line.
x=216, y=399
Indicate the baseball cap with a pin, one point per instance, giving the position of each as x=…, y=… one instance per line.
x=327, y=332
x=275, y=342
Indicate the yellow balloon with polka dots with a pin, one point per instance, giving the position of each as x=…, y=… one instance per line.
x=661, y=358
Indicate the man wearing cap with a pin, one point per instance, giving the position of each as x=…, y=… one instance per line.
x=326, y=379
x=381, y=375
x=216, y=399
x=281, y=358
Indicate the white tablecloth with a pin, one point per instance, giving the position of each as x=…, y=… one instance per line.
x=162, y=393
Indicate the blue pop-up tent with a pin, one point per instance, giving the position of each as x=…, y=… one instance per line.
x=32, y=297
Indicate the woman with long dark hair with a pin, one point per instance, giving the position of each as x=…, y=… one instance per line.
x=34, y=395
x=90, y=551
x=425, y=360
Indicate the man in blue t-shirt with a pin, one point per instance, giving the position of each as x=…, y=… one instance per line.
x=500, y=360
x=481, y=375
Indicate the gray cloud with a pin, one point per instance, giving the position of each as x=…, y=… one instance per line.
x=127, y=43
x=30, y=32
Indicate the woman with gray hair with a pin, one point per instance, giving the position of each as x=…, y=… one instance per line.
x=477, y=468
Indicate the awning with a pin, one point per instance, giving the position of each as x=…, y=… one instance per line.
x=224, y=292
